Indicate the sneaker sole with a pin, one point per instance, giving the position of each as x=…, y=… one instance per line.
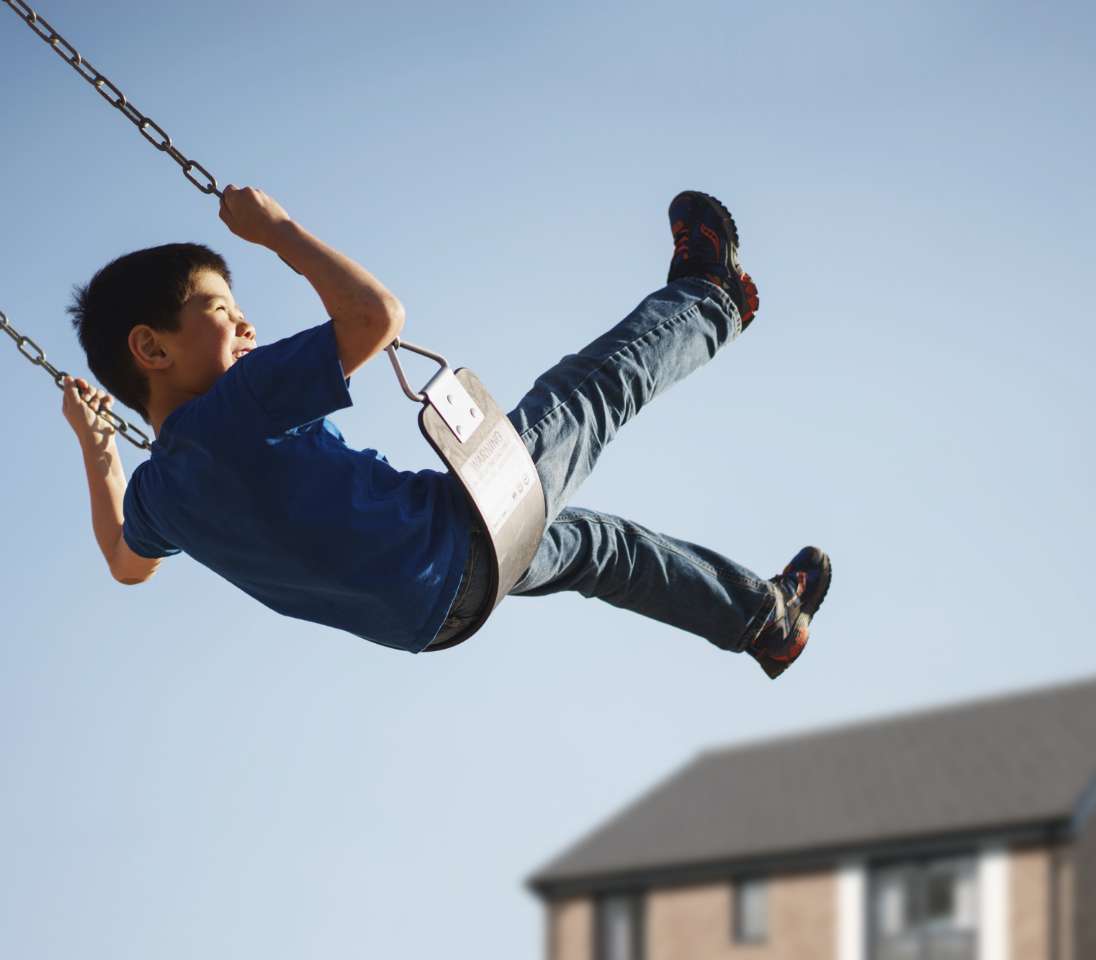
x=811, y=604
x=774, y=668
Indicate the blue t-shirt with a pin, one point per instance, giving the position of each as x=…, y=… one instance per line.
x=250, y=480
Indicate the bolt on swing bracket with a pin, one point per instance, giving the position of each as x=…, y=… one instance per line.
x=443, y=391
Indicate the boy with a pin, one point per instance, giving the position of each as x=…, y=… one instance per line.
x=248, y=476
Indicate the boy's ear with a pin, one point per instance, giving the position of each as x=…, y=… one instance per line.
x=147, y=350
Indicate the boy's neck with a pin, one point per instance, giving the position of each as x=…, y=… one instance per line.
x=163, y=401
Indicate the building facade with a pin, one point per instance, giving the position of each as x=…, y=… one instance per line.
x=967, y=833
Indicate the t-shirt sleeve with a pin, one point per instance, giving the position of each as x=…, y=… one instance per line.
x=137, y=528
x=297, y=380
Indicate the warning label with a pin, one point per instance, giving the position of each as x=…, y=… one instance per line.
x=499, y=475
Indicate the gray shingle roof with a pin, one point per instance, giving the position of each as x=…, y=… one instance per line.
x=1023, y=759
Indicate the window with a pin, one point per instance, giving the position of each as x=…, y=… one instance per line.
x=924, y=910
x=751, y=910
x=619, y=927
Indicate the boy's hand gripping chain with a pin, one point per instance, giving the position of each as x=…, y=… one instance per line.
x=36, y=355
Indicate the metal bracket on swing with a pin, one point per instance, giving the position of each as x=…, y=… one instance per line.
x=481, y=448
x=443, y=391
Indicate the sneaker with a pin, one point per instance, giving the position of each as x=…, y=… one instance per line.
x=799, y=591
x=706, y=246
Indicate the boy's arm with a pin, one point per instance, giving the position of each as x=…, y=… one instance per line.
x=106, y=482
x=366, y=315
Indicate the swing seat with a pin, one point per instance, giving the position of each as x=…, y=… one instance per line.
x=473, y=436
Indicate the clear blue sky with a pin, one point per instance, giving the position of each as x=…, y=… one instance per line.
x=185, y=773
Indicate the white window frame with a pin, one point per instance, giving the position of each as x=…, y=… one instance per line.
x=919, y=868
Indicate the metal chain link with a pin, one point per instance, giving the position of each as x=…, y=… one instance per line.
x=154, y=134
x=149, y=129
x=36, y=355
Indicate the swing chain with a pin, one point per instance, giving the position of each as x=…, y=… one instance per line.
x=36, y=355
x=148, y=128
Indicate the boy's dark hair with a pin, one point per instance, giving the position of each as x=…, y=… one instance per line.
x=147, y=286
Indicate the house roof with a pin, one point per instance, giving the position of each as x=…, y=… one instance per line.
x=1022, y=760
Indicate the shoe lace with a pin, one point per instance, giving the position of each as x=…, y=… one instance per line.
x=795, y=586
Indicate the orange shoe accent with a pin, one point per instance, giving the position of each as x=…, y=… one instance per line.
x=800, y=641
x=794, y=649
x=713, y=236
x=753, y=301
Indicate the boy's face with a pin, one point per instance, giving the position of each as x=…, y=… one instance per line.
x=212, y=334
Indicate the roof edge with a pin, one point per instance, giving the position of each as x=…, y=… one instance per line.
x=619, y=813
x=1053, y=830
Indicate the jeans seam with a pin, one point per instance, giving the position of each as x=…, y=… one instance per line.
x=692, y=307
x=640, y=536
x=755, y=623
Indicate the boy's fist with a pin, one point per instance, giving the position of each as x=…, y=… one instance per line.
x=251, y=214
x=80, y=402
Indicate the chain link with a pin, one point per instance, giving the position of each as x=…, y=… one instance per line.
x=149, y=129
x=36, y=355
x=154, y=134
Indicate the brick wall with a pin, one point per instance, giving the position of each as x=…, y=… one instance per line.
x=692, y=922
x=571, y=930
x=686, y=923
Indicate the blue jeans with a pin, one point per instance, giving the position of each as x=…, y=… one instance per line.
x=566, y=420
